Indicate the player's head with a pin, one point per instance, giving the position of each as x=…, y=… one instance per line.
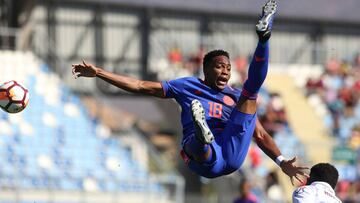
x=324, y=172
x=217, y=69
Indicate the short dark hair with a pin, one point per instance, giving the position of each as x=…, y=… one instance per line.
x=324, y=172
x=212, y=54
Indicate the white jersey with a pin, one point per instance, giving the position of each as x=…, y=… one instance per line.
x=317, y=192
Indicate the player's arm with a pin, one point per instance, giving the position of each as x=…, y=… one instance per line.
x=123, y=82
x=265, y=141
x=269, y=147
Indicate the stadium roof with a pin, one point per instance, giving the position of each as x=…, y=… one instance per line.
x=314, y=10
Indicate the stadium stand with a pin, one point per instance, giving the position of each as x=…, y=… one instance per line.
x=161, y=39
x=270, y=183
x=55, y=166
x=331, y=90
x=55, y=145
x=337, y=89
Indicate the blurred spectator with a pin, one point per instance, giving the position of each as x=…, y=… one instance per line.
x=195, y=61
x=349, y=191
x=314, y=85
x=339, y=89
x=192, y=63
x=175, y=56
x=273, y=189
x=241, y=66
x=342, y=189
x=275, y=118
x=357, y=61
x=354, y=141
x=245, y=195
x=332, y=67
x=255, y=156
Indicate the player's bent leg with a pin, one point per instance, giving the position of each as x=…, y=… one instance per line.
x=212, y=169
x=203, y=132
x=197, y=151
x=197, y=147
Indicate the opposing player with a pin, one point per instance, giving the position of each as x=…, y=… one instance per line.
x=320, y=186
x=218, y=121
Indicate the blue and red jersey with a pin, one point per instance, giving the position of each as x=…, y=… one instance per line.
x=218, y=105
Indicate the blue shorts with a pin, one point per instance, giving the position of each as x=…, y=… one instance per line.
x=229, y=148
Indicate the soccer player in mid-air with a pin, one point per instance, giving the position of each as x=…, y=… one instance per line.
x=218, y=121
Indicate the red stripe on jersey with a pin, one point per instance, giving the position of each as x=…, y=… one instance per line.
x=248, y=94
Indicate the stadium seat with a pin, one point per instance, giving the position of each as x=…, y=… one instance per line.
x=54, y=143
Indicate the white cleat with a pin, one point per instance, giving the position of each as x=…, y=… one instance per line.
x=267, y=17
x=202, y=130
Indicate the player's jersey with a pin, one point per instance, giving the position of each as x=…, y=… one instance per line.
x=218, y=105
x=317, y=192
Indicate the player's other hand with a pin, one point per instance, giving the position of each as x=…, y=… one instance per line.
x=293, y=171
x=84, y=70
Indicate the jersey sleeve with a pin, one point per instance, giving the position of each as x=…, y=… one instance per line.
x=173, y=88
x=304, y=195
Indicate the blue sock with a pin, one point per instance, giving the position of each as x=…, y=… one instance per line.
x=195, y=148
x=257, y=71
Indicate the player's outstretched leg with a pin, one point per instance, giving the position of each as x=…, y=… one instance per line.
x=259, y=64
x=203, y=132
x=240, y=127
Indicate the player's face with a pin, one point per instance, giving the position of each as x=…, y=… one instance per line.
x=218, y=73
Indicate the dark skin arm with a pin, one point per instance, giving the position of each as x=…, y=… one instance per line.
x=126, y=83
x=265, y=141
x=268, y=146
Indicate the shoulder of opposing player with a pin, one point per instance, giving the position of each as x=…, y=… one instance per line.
x=304, y=190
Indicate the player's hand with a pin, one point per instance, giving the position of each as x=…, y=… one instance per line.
x=84, y=70
x=293, y=171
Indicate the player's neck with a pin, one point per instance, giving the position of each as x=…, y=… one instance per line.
x=210, y=84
